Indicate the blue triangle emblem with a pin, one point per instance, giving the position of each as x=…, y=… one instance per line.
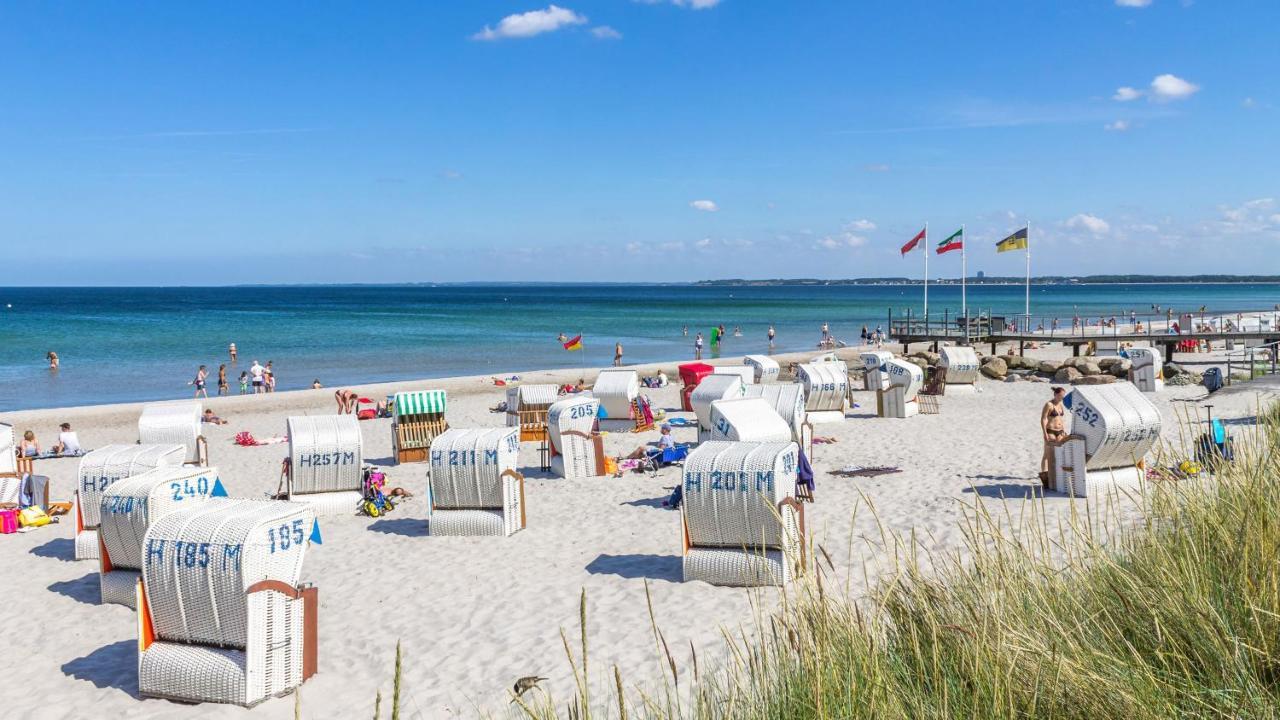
x=315, y=533
x=218, y=490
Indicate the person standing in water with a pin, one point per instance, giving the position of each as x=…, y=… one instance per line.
x=1053, y=427
x=202, y=375
x=231, y=350
x=222, y=379
x=772, y=334
x=52, y=357
x=617, y=354
x=697, y=347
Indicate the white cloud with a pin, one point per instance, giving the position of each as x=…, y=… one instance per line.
x=1091, y=223
x=604, y=32
x=703, y=244
x=862, y=225
x=840, y=241
x=704, y=205
x=1248, y=103
x=693, y=4
x=1117, y=126
x=1172, y=87
x=1125, y=94
x=528, y=24
x=1133, y=3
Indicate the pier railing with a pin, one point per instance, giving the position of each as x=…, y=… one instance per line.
x=1257, y=360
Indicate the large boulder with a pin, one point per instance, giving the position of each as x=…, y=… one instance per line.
x=1015, y=362
x=1120, y=369
x=1088, y=368
x=1048, y=366
x=918, y=362
x=1106, y=362
x=931, y=358
x=1172, y=370
x=1012, y=378
x=1067, y=375
x=1096, y=380
x=995, y=368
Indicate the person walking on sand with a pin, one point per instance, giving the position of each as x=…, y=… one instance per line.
x=617, y=354
x=697, y=347
x=772, y=335
x=202, y=375
x=256, y=371
x=231, y=350
x=222, y=379
x=1053, y=428
x=52, y=357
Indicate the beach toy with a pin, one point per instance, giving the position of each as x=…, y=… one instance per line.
x=474, y=486
x=617, y=389
x=748, y=419
x=132, y=505
x=876, y=377
x=742, y=525
x=712, y=388
x=102, y=468
x=221, y=617
x=961, y=364
x=1147, y=371
x=177, y=423
x=417, y=418
x=1113, y=427
x=826, y=387
x=577, y=450
x=900, y=399
x=764, y=368
x=326, y=460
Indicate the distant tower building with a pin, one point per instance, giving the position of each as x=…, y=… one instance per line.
x=981, y=274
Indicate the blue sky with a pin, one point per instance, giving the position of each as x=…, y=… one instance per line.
x=178, y=143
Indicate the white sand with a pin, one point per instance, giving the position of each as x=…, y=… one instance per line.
x=475, y=614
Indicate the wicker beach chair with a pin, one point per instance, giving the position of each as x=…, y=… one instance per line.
x=577, y=450
x=901, y=398
x=712, y=388
x=132, y=505
x=874, y=376
x=101, y=469
x=527, y=409
x=221, y=617
x=176, y=423
x=748, y=420
x=325, y=468
x=742, y=524
x=826, y=390
x=960, y=369
x=690, y=375
x=787, y=400
x=1147, y=371
x=13, y=467
x=744, y=371
x=475, y=488
x=417, y=418
x=617, y=390
x=1113, y=427
x=764, y=369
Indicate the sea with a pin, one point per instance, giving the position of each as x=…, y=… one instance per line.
x=138, y=344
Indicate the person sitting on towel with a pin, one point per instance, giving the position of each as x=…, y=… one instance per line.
x=68, y=443
x=665, y=442
x=662, y=379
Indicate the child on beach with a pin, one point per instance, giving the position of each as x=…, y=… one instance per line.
x=244, y=382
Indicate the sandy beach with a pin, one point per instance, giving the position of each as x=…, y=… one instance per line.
x=474, y=614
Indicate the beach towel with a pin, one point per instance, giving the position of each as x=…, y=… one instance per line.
x=680, y=422
x=804, y=473
x=860, y=471
x=246, y=439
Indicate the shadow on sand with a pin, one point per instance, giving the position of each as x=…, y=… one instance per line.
x=653, y=567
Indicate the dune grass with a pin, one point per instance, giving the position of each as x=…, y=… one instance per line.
x=1170, y=612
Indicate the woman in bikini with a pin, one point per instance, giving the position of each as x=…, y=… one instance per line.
x=1054, y=427
x=222, y=379
x=201, y=376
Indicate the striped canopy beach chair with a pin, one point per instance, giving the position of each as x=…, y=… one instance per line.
x=325, y=468
x=132, y=505
x=101, y=469
x=176, y=423
x=13, y=468
x=474, y=486
x=742, y=524
x=577, y=450
x=417, y=418
x=221, y=617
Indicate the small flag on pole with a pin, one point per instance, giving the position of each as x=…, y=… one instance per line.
x=574, y=344
x=954, y=242
x=1016, y=241
x=913, y=242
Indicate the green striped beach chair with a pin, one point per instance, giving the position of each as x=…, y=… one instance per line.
x=418, y=417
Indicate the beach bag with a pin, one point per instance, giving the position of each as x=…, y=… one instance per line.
x=33, y=517
x=610, y=466
x=8, y=521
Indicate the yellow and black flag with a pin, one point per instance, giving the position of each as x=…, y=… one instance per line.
x=1016, y=241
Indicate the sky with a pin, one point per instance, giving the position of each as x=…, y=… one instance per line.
x=609, y=140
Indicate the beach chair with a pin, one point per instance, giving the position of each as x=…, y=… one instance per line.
x=748, y=420
x=741, y=522
x=13, y=467
x=826, y=390
x=959, y=366
x=176, y=423
x=417, y=418
x=617, y=389
x=221, y=616
x=901, y=398
x=1113, y=427
x=474, y=486
x=764, y=369
x=711, y=389
x=874, y=376
x=325, y=467
x=577, y=449
x=132, y=505
x=101, y=469
x=690, y=375
x=1147, y=371
x=527, y=409
x=746, y=372
x=787, y=400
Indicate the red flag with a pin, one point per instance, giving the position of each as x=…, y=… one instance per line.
x=574, y=344
x=912, y=244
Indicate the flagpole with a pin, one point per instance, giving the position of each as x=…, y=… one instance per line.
x=1027, y=306
x=926, y=274
x=964, y=300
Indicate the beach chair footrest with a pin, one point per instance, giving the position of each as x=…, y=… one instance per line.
x=87, y=544
x=473, y=522
x=737, y=568
x=119, y=587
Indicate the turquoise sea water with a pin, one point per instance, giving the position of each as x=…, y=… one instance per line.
x=129, y=344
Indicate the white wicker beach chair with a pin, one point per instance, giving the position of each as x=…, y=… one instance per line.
x=1106, y=348
x=787, y=400
x=102, y=468
x=475, y=488
x=417, y=418
x=714, y=387
x=617, y=389
x=221, y=617
x=749, y=420
x=12, y=467
x=577, y=450
x=1147, y=371
x=875, y=377
x=326, y=463
x=764, y=369
x=1113, y=427
x=961, y=364
x=527, y=409
x=746, y=372
x=900, y=399
x=176, y=423
x=130, y=506
x=742, y=525
x=826, y=387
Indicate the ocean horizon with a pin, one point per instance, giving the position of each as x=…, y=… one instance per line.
x=127, y=344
